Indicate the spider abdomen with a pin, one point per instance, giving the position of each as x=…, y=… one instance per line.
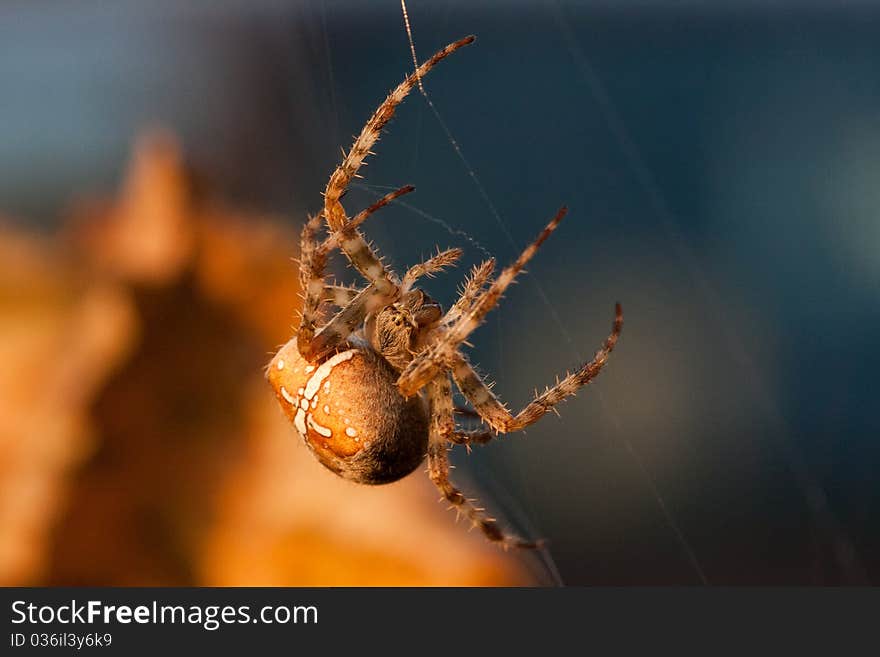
x=348, y=410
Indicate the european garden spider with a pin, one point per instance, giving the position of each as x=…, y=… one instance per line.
x=369, y=390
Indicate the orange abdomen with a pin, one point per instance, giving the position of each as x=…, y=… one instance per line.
x=348, y=410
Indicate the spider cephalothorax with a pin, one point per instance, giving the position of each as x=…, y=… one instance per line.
x=398, y=330
x=370, y=390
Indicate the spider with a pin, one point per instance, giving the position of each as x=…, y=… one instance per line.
x=369, y=389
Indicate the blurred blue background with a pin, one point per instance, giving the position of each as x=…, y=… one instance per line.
x=721, y=163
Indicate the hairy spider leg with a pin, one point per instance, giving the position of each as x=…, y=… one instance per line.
x=468, y=437
x=429, y=267
x=495, y=413
x=339, y=295
x=313, y=262
x=355, y=247
x=425, y=366
x=442, y=430
x=471, y=289
x=343, y=323
x=345, y=233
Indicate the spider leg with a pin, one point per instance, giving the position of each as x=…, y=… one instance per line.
x=429, y=267
x=342, y=324
x=308, y=244
x=345, y=234
x=441, y=432
x=339, y=295
x=425, y=366
x=313, y=262
x=361, y=216
x=473, y=285
x=358, y=251
x=353, y=161
x=353, y=244
x=496, y=415
x=468, y=437
x=467, y=412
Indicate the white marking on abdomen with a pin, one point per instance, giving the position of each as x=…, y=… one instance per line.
x=287, y=397
x=280, y=363
x=324, y=431
x=299, y=422
x=324, y=371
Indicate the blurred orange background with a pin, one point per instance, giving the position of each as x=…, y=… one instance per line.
x=139, y=443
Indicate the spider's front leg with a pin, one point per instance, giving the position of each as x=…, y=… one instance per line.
x=370, y=133
x=431, y=361
x=470, y=291
x=346, y=236
x=429, y=267
x=313, y=262
x=352, y=243
x=442, y=430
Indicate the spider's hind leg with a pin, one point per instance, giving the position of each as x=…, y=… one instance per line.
x=442, y=431
x=468, y=437
x=313, y=262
